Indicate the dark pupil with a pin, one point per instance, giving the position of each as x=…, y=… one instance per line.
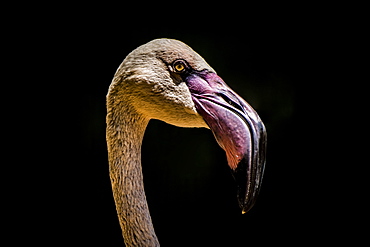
x=179, y=66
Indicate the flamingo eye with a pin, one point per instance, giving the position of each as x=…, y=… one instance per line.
x=179, y=66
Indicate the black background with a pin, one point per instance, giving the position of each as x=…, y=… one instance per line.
x=278, y=58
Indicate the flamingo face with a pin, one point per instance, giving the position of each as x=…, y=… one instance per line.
x=235, y=125
x=167, y=80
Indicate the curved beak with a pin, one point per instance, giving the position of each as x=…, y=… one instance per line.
x=237, y=129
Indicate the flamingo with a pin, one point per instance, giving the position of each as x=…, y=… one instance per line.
x=165, y=79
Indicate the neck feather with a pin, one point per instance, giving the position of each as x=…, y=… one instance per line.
x=125, y=131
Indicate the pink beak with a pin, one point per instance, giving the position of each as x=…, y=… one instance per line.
x=237, y=129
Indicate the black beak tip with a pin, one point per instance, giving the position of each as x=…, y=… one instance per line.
x=246, y=207
x=248, y=184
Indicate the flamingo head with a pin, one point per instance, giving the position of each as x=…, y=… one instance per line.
x=165, y=79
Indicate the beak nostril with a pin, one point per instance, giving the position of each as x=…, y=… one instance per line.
x=231, y=102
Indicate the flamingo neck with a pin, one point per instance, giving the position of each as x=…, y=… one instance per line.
x=125, y=131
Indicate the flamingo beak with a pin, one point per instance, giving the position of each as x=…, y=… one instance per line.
x=237, y=128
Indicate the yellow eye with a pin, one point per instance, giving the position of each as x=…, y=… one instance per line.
x=179, y=66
